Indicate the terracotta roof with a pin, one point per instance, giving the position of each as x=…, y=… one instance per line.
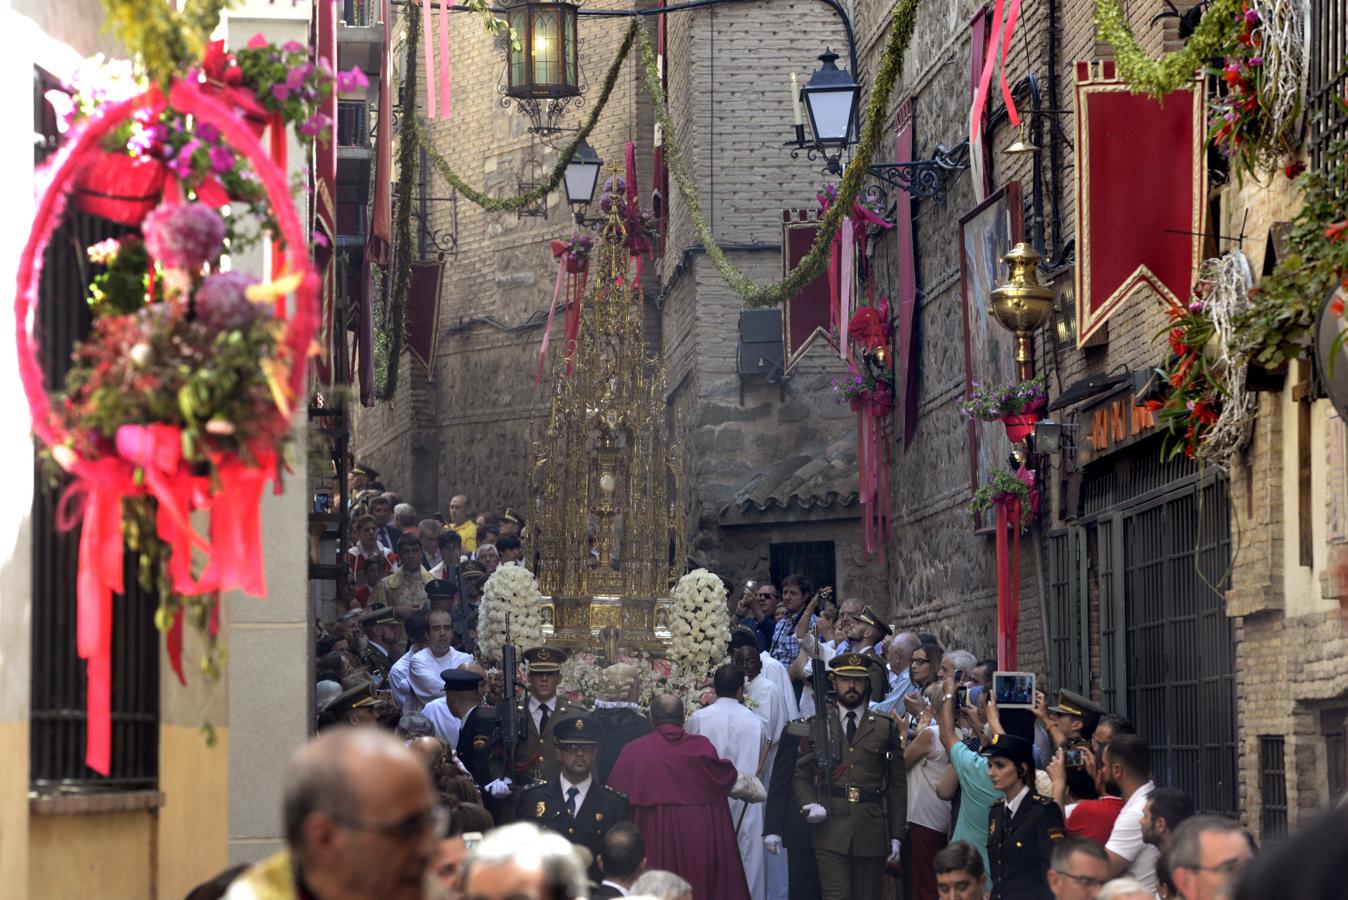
x=803, y=481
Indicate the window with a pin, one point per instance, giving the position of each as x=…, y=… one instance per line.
x=1333, y=724
x=1328, y=78
x=1272, y=789
x=814, y=559
x=57, y=728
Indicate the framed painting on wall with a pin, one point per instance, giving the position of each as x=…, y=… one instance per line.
x=987, y=233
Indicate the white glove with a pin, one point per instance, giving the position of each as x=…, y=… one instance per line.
x=894, y=848
x=814, y=813
x=499, y=788
x=772, y=843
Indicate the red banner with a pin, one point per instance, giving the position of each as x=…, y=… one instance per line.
x=423, y=312
x=805, y=316
x=1141, y=194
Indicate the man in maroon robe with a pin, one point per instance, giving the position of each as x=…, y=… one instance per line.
x=677, y=787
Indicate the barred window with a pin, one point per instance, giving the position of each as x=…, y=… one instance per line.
x=57, y=718
x=1328, y=79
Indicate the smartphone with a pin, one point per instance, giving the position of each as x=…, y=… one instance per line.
x=1013, y=690
x=1074, y=758
x=961, y=696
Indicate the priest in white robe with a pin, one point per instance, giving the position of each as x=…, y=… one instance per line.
x=423, y=673
x=738, y=734
x=770, y=707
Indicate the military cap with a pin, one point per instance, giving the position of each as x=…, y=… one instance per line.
x=359, y=696
x=441, y=588
x=870, y=617
x=512, y=517
x=460, y=679
x=1016, y=749
x=544, y=659
x=377, y=614
x=1070, y=703
x=853, y=664
x=363, y=469
x=580, y=729
x=472, y=569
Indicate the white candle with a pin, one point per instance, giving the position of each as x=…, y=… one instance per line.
x=795, y=100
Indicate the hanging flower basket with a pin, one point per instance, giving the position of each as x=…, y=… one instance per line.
x=1018, y=428
x=119, y=187
x=141, y=479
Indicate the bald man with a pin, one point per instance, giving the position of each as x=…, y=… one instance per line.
x=360, y=823
x=898, y=656
x=461, y=523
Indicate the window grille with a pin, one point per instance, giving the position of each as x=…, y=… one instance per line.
x=1328, y=79
x=1272, y=789
x=57, y=717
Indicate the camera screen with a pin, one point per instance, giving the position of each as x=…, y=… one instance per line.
x=1012, y=689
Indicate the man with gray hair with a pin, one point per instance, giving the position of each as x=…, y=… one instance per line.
x=898, y=657
x=1206, y=854
x=662, y=886
x=360, y=823
x=523, y=860
x=405, y=519
x=957, y=664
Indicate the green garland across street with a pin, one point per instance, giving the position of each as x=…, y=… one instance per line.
x=1173, y=71
x=511, y=204
x=809, y=268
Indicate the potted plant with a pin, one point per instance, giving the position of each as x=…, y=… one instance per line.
x=1010, y=489
x=1016, y=406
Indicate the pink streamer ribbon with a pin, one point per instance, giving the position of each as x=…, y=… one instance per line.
x=552, y=312
x=981, y=101
x=429, y=44
x=1012, y=14
x=847, y=253
x=446, y=108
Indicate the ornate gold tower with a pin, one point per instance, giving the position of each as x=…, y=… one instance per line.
x=607, y=475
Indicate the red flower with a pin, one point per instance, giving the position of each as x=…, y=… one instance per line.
x=1335, y=232
x=868, y=328
x=1294, y=168
x=1336, y=306
x=1177, y=342
x=216, y=61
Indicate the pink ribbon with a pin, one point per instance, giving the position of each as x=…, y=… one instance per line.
x=847, y=254
x=552, y=311
x=429, y=43
x=980, y=102
x=1012, y=14
x=446, y=109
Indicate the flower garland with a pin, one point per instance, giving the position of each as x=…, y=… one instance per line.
x=510, y=593
x=554, y=178
x=992, y=404
x=809, y=268
x=1158, y=77
x=1277, y=325
x=699, y=628
x=1264, y=71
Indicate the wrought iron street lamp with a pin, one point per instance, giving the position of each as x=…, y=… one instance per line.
x=581, y=176
x=830, y=98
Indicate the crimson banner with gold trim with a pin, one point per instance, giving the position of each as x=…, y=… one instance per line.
x=1141, y=194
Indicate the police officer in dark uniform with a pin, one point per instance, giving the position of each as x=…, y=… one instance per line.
x=859, y=814
x=1075, y=716
x=573, y=803
x=1023, y=827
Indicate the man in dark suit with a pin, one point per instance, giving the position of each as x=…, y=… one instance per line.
x=784, y=827
x=573, y=803
x=620, y=718
x=622, y=856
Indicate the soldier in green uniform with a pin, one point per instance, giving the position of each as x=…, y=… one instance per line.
x=539, y=712
x=859, y=813
x=573, y=803
x=1023, y=827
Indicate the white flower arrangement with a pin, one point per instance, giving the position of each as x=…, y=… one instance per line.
x=699, y=625
x=583, y=677
x=511, y=591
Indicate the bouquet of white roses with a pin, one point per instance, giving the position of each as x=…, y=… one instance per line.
x=699, y=626
x=511, y=592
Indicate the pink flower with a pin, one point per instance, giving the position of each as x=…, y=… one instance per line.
x=280, y=92
x=184, y=235
x=182, y=164
x=208, y=132
x=320, y=239
x=350, y=81
x=295, y=77
x=1256, y=60
x=222, y=160
x=221, y=304
x=294, y=47
x=257, y=41
x=315, y=125
x=1251, y=17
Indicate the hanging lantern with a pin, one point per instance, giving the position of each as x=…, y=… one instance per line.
x=544, y=65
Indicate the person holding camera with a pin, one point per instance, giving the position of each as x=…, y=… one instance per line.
x=1087, y=810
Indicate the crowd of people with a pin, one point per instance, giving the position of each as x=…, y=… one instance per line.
x=832, y=755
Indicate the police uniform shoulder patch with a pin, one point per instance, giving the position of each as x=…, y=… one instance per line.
x=1055, y=834
x=615, y=792
x=1042, y=801
x=1000, y=801
x=541, y=808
